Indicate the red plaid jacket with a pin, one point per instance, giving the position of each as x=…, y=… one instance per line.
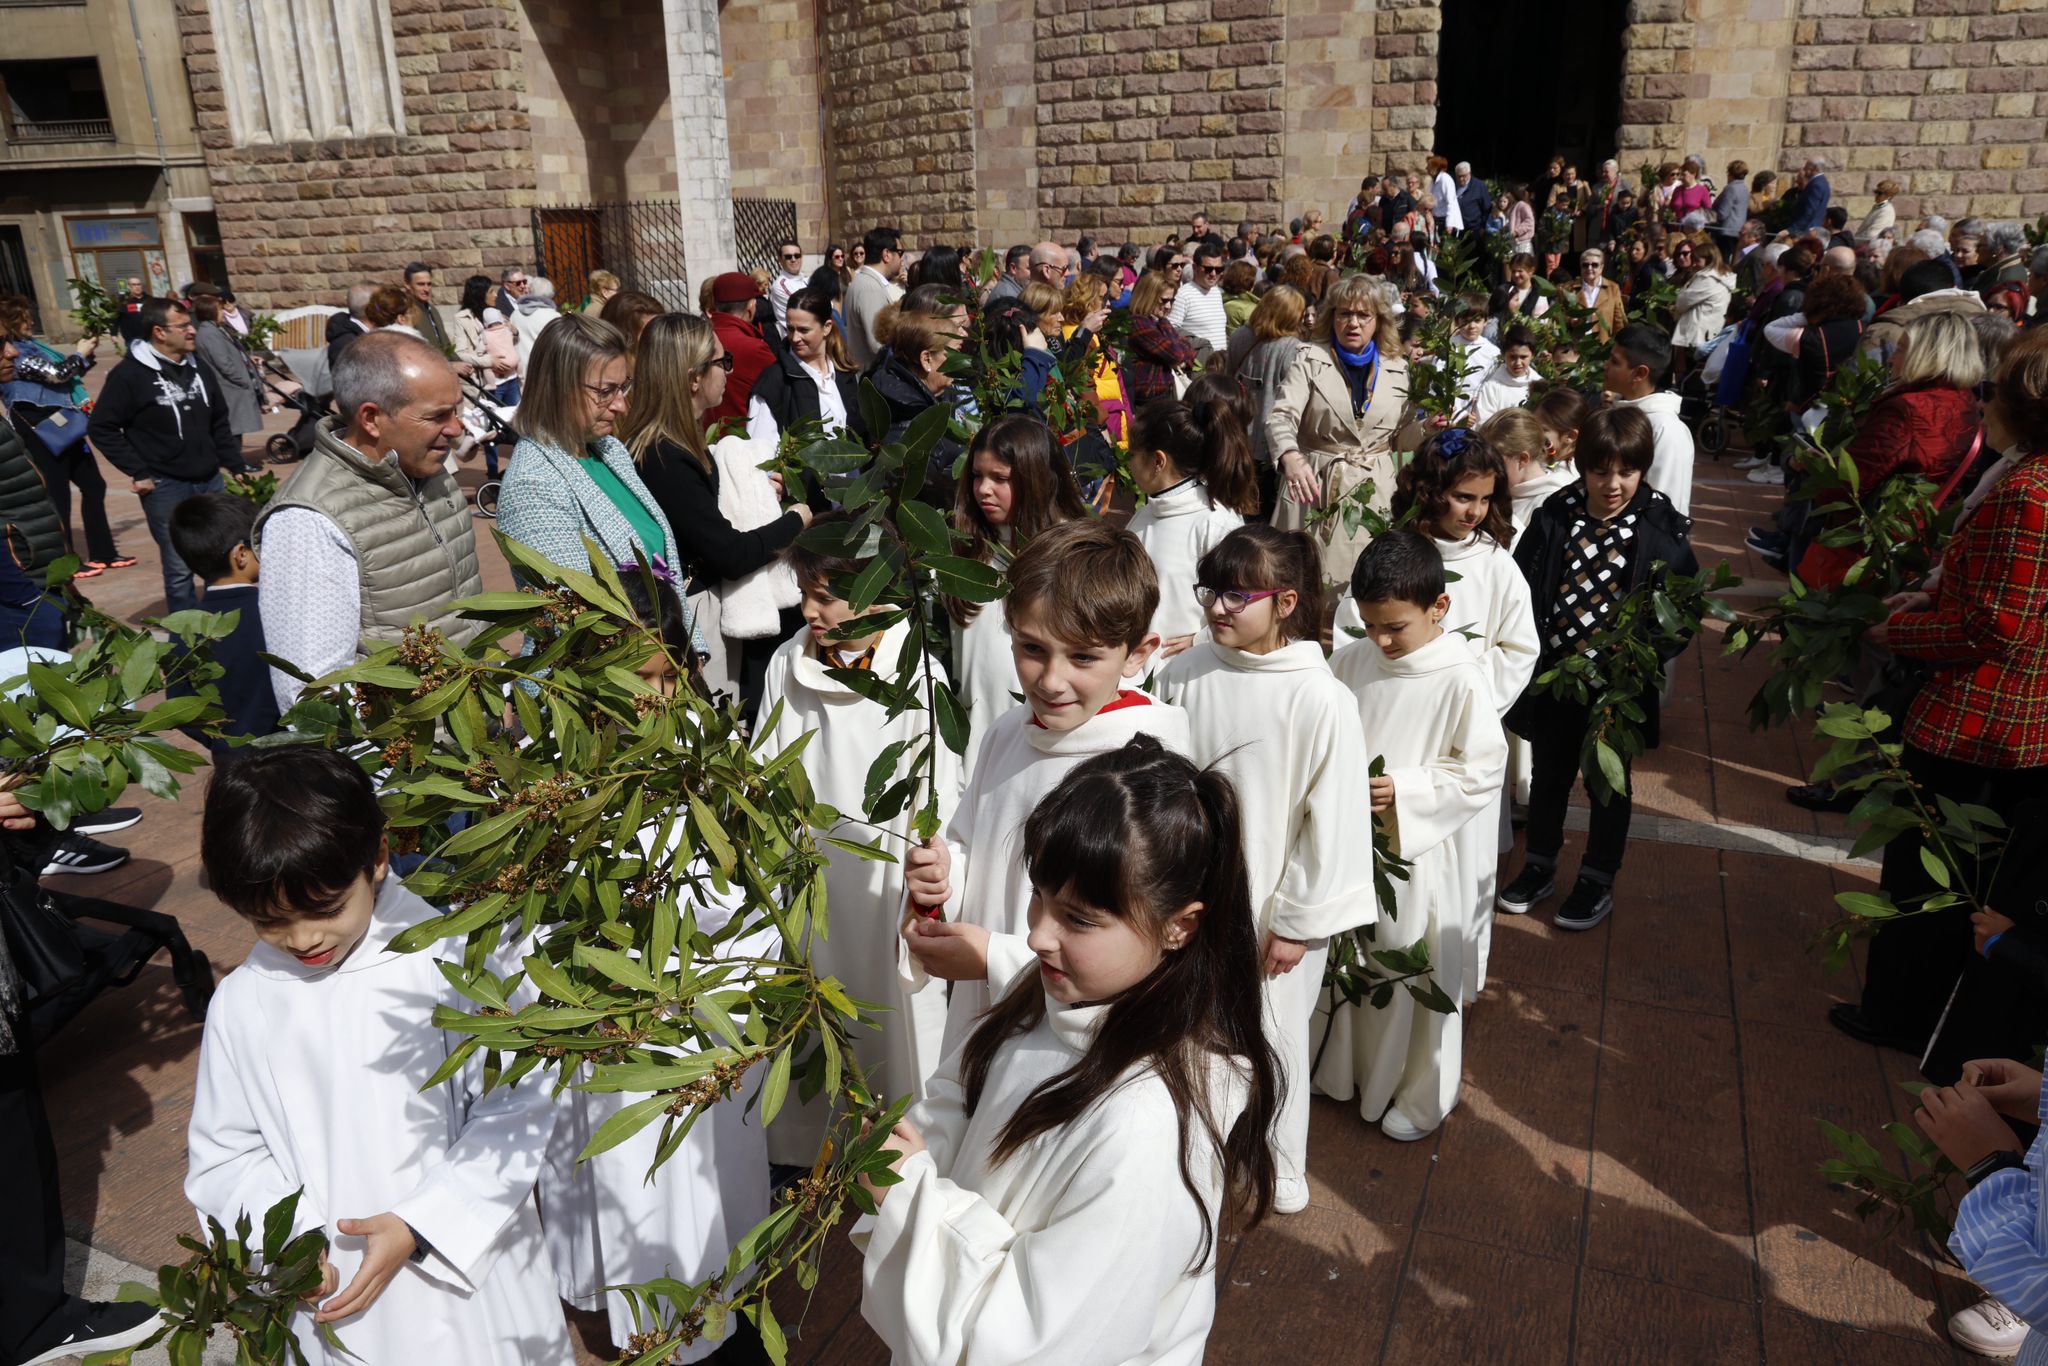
x=1988, y=633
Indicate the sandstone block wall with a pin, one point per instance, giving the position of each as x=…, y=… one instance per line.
x=1947, y=97
x=598, y=106
x=774, y=100
x=302, y=222
x=899, y=118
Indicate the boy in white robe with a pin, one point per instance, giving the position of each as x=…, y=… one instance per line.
x=1265, y=710
x=1428, y=711
x=310, y=1076
x=864, y=899
x=1080, y=607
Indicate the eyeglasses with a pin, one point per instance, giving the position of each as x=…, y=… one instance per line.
x=605, y=393
x=1355, y=315
x=1208, y=270
x=1233, y=601
x=792, y=256
x=723, y=362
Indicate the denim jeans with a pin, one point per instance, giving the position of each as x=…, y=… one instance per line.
x=156, y=506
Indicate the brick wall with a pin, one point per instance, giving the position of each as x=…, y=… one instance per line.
x=773, y=104
x=1404, y=82
x=597, y=100
x=1148, y=112
x=900, y=124
x=300, y=223
x=1656, y=83
x=1947, y=97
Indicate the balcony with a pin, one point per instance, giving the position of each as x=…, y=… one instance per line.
x=67, y=130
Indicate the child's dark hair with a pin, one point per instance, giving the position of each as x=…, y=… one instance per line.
x=1042, y=491
x=1641, y=344
x=660, y=611
x=1401, y=566
x=1258, y=556
x=1617, y=436
x=287, y=830
x=206, y=528
x=816, y=568
x=1447, y=459
x=1470, y=308
x=1140, y=833
x=1518, y=335
x=1563, y=410
x=1209, y=442
x=1094, y=582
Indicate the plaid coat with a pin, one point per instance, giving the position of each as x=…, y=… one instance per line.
x=1986, y=634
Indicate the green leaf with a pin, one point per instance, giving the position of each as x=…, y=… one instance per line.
x=277, y=1226
x=775, y=1087
x=616, y=966
x=1936, y=869
x=924, y=528
x=624, y=1124
x=965, y=579
x=870, y=852
x=1611, y=768
x=1868, y=905
x=950, y=717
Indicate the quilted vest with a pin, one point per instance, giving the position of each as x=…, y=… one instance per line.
x=415, y=547
x=33, y=535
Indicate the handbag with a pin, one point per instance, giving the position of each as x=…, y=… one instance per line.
x=62, y=432
x=42, y=940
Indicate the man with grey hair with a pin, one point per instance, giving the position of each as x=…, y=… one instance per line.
x=530, y=317
x=2004, y=281
x=1839, y=260
x=1812, y=189
x=1475, y=201
x=373, y=533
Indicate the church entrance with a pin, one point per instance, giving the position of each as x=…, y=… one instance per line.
x=1517, y=83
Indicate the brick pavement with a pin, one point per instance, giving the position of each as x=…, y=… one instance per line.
x=1631, y=1175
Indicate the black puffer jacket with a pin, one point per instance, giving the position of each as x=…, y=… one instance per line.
x=28, y=518
x=907, y=396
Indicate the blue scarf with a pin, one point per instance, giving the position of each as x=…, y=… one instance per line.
x=1360, y=371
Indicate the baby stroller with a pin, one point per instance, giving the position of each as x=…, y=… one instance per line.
x=486, y=421
x=1711, y=387
x=286, y=447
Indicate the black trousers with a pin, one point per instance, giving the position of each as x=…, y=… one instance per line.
x=1556, y=729
x=32, y=1229
x=81, y=467
x=1915, y=962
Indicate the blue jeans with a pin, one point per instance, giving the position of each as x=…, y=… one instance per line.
x=506, y=394
x=156, y=506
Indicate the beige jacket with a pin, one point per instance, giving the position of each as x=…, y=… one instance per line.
x=1312, y=414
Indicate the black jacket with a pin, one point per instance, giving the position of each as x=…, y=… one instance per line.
x=28, y=519
x=790, y=392
x=713, y=549
x=907, y=396
x=156, y=420
x=246, y=699
x=1663, y=534
x=341, y=330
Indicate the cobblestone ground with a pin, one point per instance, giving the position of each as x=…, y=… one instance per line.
x=1631, y=1175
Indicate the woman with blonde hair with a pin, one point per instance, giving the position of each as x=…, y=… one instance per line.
x=1260, y=355
x=726, y=510
x=571, y=477
x=599, y=289
x=1701, y=308
x=1341, y=411
x=1082, y=313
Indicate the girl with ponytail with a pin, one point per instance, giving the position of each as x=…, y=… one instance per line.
x=1264, y=708
x=1192, y=459
x=1064, y=1183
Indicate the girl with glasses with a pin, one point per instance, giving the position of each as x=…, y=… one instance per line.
x=1265, y=710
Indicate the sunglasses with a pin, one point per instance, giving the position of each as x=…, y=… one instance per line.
x=792, y=256
x=1233, y=601
x=723, y=362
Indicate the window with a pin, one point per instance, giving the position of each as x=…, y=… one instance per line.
x=109, y=250
x=308, y=71
x=54, y=102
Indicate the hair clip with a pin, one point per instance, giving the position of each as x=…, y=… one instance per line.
x=656, y=566
x=1451, y=440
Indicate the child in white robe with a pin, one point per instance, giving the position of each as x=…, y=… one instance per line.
x=865, y=899
x=1457, y=490
x=1477, y=354
x=607, y=1221
x=1018, y=483
x=311, y=1073
x=1264, y=708
x=1507, y=384
x=1084, y=1232
x=1080, y=610
x=1428, y=711
x=1192, y=460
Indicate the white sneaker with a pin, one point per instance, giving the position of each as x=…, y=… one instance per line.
x=1290, y=1195
x=1400, y=1128
x=1750, y=462
x=1989, y=1329
x=1767, y=474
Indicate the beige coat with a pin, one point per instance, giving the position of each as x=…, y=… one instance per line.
x=1312, y=414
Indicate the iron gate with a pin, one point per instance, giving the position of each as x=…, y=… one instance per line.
x=640, y=242
x=759, y=226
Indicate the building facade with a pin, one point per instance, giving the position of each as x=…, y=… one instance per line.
x=336, y=139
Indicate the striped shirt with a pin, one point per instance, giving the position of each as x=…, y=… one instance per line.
x=2001, y=1233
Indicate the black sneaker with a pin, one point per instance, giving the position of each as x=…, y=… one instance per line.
x=78, y=854
x=108, y=821
x=1590, y=903
x=1531, y=885
x=1822, y=797
x=91, y=1326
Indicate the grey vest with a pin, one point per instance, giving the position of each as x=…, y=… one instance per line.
x=415, y=547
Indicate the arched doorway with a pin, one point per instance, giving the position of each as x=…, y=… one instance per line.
x=1518, y=82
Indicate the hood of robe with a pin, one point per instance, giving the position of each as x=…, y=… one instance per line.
x=1113, y=729
x=1546, y=482
x=810, y=671
x=398, y=908
x=1473, y=547
x=1447, y=651
x=1293, y=658
x=1184, y=499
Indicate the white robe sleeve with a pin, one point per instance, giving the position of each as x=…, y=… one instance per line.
x=229, y=1167
x=1327, y=887
x=477, y=1187
x=948, y=1279
x=1432, y=800
x=1511, y=663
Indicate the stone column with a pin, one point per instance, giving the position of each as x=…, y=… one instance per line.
x=1328, y=105
x=696, y=82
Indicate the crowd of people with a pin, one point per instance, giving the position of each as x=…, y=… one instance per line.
x=1384, y=479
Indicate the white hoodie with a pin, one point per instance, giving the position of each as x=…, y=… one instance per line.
x=1671, y=469
x=1500, y=391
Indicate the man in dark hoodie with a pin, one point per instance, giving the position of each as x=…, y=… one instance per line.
x=162, y=422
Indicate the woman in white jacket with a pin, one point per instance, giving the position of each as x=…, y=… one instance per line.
x=1064, y=1185
x=1701, y=309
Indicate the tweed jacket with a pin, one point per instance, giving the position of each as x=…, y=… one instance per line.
x=549, y=504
